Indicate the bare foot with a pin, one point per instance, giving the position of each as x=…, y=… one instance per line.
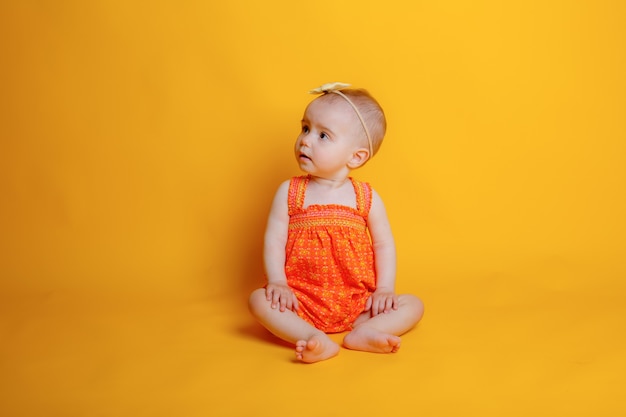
x=317, y=348
x=371, y=340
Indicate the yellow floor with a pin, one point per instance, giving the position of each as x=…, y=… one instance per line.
x=489, y=350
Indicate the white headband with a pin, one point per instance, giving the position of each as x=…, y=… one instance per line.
x=335, y=88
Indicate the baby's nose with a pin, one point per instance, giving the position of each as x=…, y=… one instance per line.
x=305, y=140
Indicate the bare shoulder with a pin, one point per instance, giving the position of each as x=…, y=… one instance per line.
x=280, y=203
x=377, y=220
x=378, y=207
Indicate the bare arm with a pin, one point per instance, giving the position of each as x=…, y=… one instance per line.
x=384, y=298
x=277, y=290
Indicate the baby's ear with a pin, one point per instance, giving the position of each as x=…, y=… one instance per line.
x=359, y=157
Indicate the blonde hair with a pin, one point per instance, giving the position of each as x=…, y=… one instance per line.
x=372, y=113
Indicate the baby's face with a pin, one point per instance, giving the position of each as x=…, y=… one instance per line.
x=328, y=137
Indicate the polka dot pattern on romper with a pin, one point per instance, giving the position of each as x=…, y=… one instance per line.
x=329, y=257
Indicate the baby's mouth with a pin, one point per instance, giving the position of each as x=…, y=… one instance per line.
x=303, y=156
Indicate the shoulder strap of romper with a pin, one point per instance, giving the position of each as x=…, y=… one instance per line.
x=363, y=192
x=297, y=188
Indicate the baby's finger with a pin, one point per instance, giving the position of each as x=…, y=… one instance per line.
x=283, y=302
x=388, y=304
x=288, y=302
x=381, y=307
x=376, y=308
x=275, y=299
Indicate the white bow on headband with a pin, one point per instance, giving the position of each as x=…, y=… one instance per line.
x=329, y=87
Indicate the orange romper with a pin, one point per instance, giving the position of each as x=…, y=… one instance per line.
x=329, y=257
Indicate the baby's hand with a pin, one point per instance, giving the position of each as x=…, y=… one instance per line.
x=382, y=301
x=281, y=297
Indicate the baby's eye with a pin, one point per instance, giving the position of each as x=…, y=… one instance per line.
x=305, y=129
x=323, y=136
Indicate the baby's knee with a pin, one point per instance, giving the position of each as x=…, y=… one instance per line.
x=413, y=303
x=257, y=301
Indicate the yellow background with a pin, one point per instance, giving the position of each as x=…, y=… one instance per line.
x=141, y=144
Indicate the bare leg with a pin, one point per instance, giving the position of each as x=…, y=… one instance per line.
x=381, y=333
x=312, y=345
